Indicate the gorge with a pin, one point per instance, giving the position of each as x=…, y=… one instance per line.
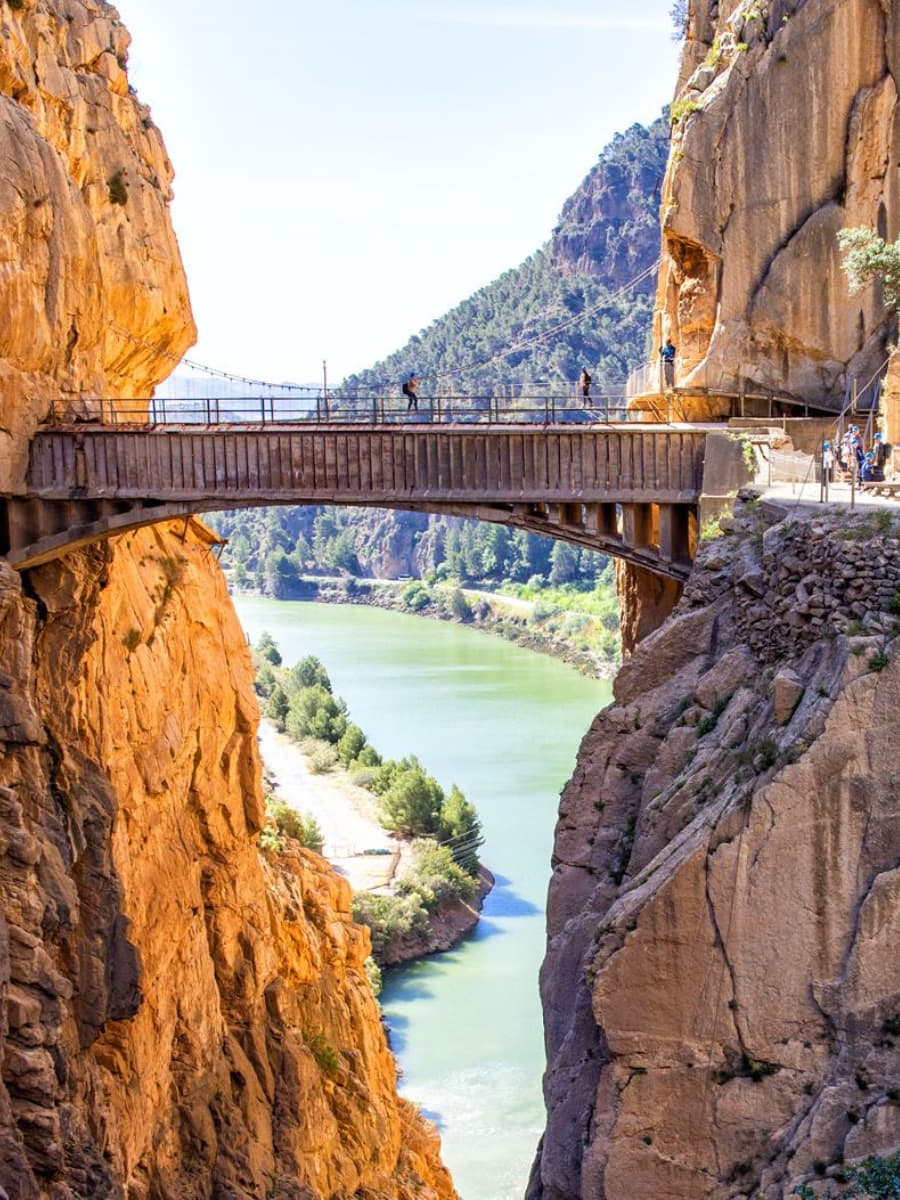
x=181, y=1017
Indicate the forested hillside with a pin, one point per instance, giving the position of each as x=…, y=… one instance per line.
x=607, y=234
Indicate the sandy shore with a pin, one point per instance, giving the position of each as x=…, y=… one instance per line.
x=347, y=814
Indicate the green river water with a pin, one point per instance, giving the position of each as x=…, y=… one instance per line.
x=504, y=723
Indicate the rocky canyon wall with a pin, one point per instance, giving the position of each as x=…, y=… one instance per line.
x=785, y=131
x=180, y=1016
x=93, y=300
x=721, y=986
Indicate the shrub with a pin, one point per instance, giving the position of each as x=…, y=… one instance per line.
x=368, y=756
x=323, y=1052
x=435, y=876
x=373, y=974
x=132, y=640
x=118, y=192
x=270, y=840
x=323, y=760
x=683, y=108
x=460, y=606
x=389, y=918
x=416, y=596
x=878, y=662
x=363, y=777
x=290, y=823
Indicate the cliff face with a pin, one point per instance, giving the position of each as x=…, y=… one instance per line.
x=721, y=986
x=93, y=300
x=786, y=132
x=181, y=1017
x=610, y=225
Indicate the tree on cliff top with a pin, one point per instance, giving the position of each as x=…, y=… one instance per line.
x=870, y=257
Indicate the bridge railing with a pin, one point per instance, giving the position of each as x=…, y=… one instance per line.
x=348, y=409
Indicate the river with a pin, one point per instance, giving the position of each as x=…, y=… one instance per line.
x=504, y=723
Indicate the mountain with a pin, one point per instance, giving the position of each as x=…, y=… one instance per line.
x=608, y=233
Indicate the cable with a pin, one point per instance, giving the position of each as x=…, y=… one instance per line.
x=525, y=344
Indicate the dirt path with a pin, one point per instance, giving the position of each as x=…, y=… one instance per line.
x=347, y=814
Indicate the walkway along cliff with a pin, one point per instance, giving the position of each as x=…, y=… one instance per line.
x=178, y=1016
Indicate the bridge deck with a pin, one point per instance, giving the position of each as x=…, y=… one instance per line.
x=370, y=463
x=627, y=489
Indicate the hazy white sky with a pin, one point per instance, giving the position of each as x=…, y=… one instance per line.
x=348, y=170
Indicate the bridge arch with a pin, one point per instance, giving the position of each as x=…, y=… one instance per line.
x=631, y=491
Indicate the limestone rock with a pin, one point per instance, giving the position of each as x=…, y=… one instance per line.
x=93, y=300
x=176, y=1008
x=720, y=977
x=750, y=284
x=788, y=690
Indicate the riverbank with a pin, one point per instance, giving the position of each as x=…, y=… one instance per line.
x=357, y=845
x=528, y=623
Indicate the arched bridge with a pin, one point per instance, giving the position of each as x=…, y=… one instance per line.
x=631, y=490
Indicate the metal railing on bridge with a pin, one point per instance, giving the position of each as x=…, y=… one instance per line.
x=338, y=408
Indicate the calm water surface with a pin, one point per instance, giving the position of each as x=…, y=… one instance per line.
x=504, y=723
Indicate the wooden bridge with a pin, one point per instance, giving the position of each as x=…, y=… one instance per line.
x=630, y=490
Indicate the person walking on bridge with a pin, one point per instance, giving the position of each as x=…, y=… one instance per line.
x=409, y=389
x=667, y=354
x=585, y=380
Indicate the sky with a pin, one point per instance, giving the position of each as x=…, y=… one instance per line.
x=348, y=170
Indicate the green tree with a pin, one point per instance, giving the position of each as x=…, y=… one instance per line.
x=351, y=744
x=563, y=563
x=277, y=706
x=412, y=804
x=265, y=680
x=870, y=257
x=280, y=577
x=267, y=649
x=314, y=712
x=309, y=672
x=461, y=830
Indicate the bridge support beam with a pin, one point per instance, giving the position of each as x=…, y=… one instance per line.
x=675, y=533
x=637, y=526
x=600, y=520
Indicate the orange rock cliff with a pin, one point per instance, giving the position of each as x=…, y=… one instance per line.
x=179, y=1017
x=721, y=988
x=785, y=131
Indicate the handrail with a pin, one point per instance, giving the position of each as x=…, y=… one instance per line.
x=318, y=408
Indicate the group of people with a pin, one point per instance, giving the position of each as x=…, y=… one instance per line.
x=849, y=454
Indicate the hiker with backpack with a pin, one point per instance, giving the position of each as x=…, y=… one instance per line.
x=410, y=384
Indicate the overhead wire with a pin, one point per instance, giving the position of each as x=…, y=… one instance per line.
x=497, y=356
